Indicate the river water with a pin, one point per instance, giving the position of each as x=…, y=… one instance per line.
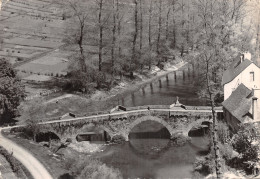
x=165, y=91
x=149, y=153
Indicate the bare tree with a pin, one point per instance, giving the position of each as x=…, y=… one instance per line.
x=159, y=28
x=79, y=33
x=174, y=30
x=100, y=45
x=134, y=37
x=150, y=33
x=167, y=22
x=141, y=26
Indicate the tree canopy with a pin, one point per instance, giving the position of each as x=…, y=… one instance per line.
x=11, y=92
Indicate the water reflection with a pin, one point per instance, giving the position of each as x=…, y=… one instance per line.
x=170, y=86
x=153, y=158
x=150, y=153
x=149, y=148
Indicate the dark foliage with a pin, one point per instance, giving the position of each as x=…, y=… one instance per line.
x=11, y=92
x=16, y=166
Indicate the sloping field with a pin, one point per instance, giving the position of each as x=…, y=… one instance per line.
x=53, y=64
x=29, y=28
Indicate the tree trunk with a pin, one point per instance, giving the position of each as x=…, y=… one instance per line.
x=34, y=137
x=159, y=32
x=174, y=26
x=167, y=23
x=118, y=28
x=182, y=26
x=100, y=36
x=141, y=35
x=134, y=39
x=113, y=41
x=80, y=43
x=149, y=33
x=159, y=27
x=141, y=27
x=215, y=140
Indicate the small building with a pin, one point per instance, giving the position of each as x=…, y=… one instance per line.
x=241, y=83
x=242, y=70
x=242, y=106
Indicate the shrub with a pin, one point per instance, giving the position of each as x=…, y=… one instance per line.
x=91, y=168
x=227, y=151
x=204, y=165
x=223, y=133
x=19, y=59
x=118, y=139
x=242, y=142
x=179, y=139
x=15, y=165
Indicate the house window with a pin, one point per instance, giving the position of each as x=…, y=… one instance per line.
x=252, y=76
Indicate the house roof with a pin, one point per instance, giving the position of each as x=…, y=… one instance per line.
x=239, y=103
x=235, y=69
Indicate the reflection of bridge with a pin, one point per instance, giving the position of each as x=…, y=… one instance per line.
x=120, y=123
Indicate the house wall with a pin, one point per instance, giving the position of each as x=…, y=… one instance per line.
x=257, y=105
x=243, y=77
x=232, y=122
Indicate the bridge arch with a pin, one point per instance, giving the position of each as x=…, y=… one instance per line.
x=148, y=118
x=194, y=124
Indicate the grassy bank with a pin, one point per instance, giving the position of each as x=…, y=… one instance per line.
x=130, y=88
x=66, y=161
x=19, y=170
x=52, y=107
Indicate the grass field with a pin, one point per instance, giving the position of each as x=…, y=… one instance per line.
x=29, y=28
x=53, y=64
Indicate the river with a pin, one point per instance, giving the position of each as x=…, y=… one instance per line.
x=150, y=153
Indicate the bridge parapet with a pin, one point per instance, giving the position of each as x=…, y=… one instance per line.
x=121, y=123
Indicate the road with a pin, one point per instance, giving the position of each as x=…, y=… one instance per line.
x=36, y=169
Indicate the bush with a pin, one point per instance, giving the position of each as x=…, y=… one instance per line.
x=19, y=58
x=242, y=142
x=15, y=164
x=179, y=139
x=204, y=165
x=223, y=133
x=91, y=168
x=118, y=139
x=227, y=151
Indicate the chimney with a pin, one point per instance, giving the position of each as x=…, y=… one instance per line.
x=242, y=56
x=254, y=107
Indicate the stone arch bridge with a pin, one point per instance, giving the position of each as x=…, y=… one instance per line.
x=120, y=123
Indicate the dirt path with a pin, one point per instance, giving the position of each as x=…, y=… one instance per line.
x=28, y=160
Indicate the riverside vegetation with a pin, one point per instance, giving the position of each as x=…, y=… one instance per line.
x=131, y=38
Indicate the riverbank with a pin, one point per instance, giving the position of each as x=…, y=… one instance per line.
x=127, y=87
x=36, y=169
x=61, y=163
x=53, y=107
x=137, y=85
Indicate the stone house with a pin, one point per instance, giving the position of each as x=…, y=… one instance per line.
x=241, y=83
